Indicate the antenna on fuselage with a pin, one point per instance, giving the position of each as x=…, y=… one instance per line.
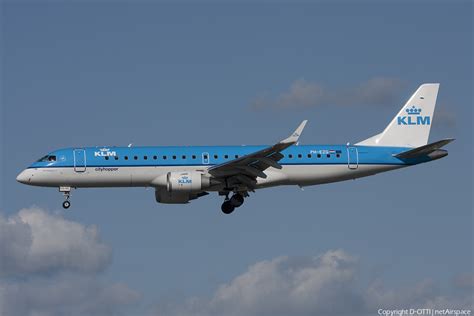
x=130, y=145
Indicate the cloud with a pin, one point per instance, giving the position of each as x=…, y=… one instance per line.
x=51, y=266
x=464, y=281
x=284, y=284
x=424, y=294
x=33, y=241
x=379, y=91
x=64, y=294
x=328, y=284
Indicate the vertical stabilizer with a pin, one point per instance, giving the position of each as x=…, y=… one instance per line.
x=411, y=126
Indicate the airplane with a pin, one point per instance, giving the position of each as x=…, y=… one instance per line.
x=180, y=174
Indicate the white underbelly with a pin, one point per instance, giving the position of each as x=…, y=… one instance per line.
x=305, y=175
x=102, y=176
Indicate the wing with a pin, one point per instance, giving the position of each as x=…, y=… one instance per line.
x=244, y=171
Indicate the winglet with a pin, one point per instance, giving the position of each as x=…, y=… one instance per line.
x=296, y=134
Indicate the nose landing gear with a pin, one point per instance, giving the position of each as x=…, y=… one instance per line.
x=67, y=194
x=235, y=201
x=66, y=204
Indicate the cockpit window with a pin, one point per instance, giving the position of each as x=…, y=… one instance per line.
x=47, y=158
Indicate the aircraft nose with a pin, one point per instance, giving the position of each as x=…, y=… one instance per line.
x=24, y=177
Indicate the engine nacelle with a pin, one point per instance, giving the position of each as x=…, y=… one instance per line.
x=186, y=182
x=181, y=187
x=163, y=196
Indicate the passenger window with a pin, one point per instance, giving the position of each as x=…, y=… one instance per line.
x=226, y=156
x=116, y=157
x=300, y=156
x=174, y=157
x=145, y=157
x=135, y=157
x=328, y=155
x=184, y=157
x=106, y=157
x=155, y=157
x=164, y=157
x=236, y=156
x=194, y=156
x=215, y=156
x=126, y=157
x=309, y=155
x=338, y=155
x=290, y=156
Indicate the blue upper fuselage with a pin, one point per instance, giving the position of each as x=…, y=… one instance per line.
x=214, y=155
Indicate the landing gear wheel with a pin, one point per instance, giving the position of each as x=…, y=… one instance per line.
x=66, y=191
x=237, y=200
x=227, y=207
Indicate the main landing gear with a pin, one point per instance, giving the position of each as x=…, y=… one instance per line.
x=229, y=205
x=67, y=194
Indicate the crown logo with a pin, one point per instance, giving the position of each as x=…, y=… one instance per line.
x=104, y=149
x=413, y=110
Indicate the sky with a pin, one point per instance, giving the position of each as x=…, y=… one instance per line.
x=202, y=73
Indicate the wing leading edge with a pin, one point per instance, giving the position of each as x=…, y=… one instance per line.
x=245, y=170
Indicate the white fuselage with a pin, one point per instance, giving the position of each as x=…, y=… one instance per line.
x=93, y=177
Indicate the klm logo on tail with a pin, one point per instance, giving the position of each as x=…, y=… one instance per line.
x=413, y=117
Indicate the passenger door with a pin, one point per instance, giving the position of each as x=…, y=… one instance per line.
x=352, y=157
x=79, y=160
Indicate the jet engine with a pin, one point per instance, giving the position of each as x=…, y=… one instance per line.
x=181, y=187
x=163, y=196
x=187, y=181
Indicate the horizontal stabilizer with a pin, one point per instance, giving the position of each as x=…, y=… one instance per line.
x=424, y=150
